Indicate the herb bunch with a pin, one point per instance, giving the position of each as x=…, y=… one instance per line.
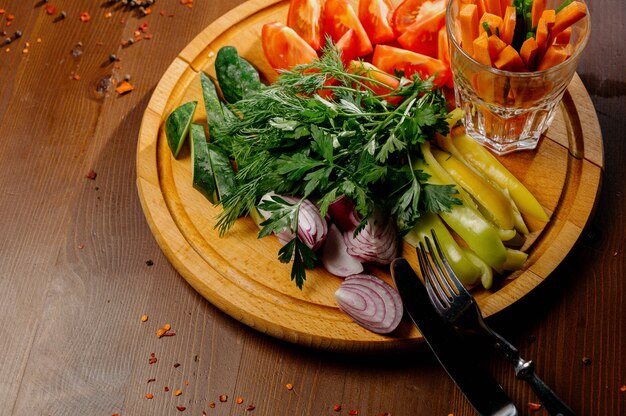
x=320, y=132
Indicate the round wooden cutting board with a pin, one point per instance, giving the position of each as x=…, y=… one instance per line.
x=240, y=274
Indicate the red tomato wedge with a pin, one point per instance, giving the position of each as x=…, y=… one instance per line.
x=304, y=17
x=347, y=46
x=410, y=11
x=284, y=48
x=375, y=16
x=378, y=75
x=338, y=17
x=390, y=59
x=422, y=35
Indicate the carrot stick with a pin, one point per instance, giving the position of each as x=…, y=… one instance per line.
x=493, y=22
x=509, y=60
x=468, y=18
x=555, y=55
x=504, y=4
x=496, y=45
x=481, y=49
x=493, y=7
x=538, y=7
x=568, y=16
x=550, y=17
x=528, y=52
x=563, y=37
x=542, y=35
x=508, y=24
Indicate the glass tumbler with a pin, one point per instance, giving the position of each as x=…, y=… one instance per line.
x=508, y=111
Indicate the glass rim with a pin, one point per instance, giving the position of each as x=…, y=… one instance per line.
x=523, y=74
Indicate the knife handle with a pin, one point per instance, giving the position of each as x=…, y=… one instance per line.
x=525, y=370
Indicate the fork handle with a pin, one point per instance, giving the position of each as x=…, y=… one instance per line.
x=525, y=370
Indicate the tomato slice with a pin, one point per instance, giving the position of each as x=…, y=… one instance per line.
x=304, y=17
x=377, y=74
x=375, y=16
x=338, y=17
x=284, y=48
x=391, y=59
x=410, y=11
x=422, y=35
x=347, y=46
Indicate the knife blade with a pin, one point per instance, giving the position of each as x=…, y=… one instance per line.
x=474, y=381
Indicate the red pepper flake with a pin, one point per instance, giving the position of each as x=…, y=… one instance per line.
x=9, y=23
x=123, y=88
x=186, y=382
x=212, y=405
x=533, y=407
x=149, y=396
x=50, y=9
x=223, y=398
x=10, y=17
x=151, y=380
x=623, y=388
x=181, y=408
x=162, y=12
x=91, y=174
x=166, y=389
x=178, y=392
x=169, y=334
x=85, y=17
x=144, y=318
x=353, y=412
x=81, y=246
x=337, y=408
x=289, y=386
x=108, y=15
x=76, y=77
x=239, y=400
x=2, y=11
x=152, y=360
x=250, y=407
x=176, y=365
x=143, y=27
x=148, y=36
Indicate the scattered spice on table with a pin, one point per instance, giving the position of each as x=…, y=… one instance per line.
x=178, y=392
x=289, y=386
x=124, y=87
x=622, y=388
x=586, y=361
x=108, y=15
x=91, y=174
x=151, y=380
x=534, y=407
x=223, y=398
x=176, y=365
x=186, y=382
x=212, y=405
x=152, y=358
x=166, y=389
x=50, y=9
x=85, y=17
x=250, y=407
x=144, y=318
x=337, y=408
x=149, y=396
x=239, y=400
x=353, y=412
x=181, y=408
x=81, y=246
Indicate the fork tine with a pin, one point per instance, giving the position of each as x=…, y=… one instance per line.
x=442, y=280
x=439, y=299
x=453, y=277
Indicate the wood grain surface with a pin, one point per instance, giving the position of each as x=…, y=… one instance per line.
x=239, y=273
x=79, y=264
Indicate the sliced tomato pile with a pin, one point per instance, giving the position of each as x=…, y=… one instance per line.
x=410, y=37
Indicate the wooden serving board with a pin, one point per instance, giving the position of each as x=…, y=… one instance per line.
x=240, y=274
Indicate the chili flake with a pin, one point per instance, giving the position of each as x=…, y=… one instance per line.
x=108, y=15
x=144, y=318
x=212, y=405
x=151, y=380
x=85, y=17
x=176, y=365
x=91, y=174
x=223, y=398
x=166, y=389
x=239, y=400
x=181, y=408
x=162, y=12
x=148, y=36
x=186, y=382
x=533, y=407
x=623, y=388
x=152, y=360
x=353, y=412
x=2, y=11
x=50, y=9
x=178, y=392
x=337, y=408
x=10, y=17
x=124, y=87
x=76, y=77
x=289, y=386
x=250, y=407
x=149, y=396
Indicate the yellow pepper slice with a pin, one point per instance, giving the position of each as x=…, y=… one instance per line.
x=481, y=159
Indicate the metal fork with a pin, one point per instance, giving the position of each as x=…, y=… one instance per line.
x=455, y=304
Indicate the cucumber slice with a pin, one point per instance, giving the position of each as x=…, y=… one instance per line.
x=212, y=104
x=222, y=171
x=177, y=126
x=201, y=171
x=235, y=75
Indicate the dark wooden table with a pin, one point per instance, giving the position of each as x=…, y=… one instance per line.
x=79, y=265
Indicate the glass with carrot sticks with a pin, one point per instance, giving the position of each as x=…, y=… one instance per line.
x=512, y=61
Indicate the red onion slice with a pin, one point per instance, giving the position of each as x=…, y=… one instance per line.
x=335, y=257
x=370, y=302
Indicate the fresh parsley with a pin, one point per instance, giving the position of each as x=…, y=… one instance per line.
x=320, y=132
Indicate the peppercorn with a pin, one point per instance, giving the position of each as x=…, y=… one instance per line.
x=113, y=57
x=131, y=41
x=63, y=14
x=127, y=78
x=18, y=34
x=7, y=41
x=132, y=3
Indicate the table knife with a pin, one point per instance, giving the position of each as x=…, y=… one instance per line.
x=475, y=382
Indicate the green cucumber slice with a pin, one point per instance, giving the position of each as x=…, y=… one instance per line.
x=201, y=171
x=235, y=74
x=223, y=172
x=177, y=126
